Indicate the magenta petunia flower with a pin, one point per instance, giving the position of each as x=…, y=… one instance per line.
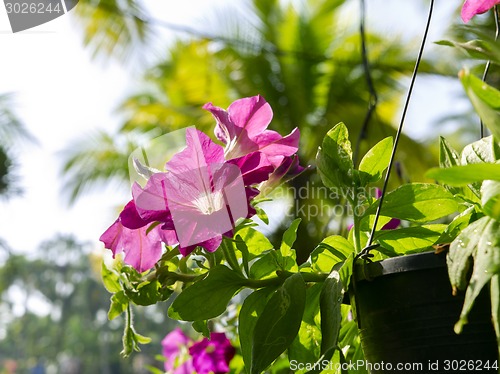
x=202, y=194
x=204, y=188
x=212, y=356
x=473, y=7
x=243, y=129
x=175, y=350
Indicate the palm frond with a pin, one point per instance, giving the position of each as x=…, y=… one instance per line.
x=113, y=28
x=99, y=160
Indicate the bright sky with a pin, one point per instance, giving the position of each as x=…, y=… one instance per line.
x=62, y=95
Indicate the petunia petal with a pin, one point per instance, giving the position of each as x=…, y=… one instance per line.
x=142, y=248
x=250, y=115
x=473, y=7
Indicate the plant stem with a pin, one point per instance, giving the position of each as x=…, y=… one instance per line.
x=401, y=123
x=487, y=67
x=230, y=256
x=356, y=224
x=373, y=99
x=281, y=277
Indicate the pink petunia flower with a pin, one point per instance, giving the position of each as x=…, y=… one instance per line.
x=473, y=7
x=212, y=356
x=176, y=352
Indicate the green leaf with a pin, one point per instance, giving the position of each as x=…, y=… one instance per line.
x=289, y=237
x=460, y=254
x=334, y=158
x=486, y=265
x=261, y=214
x=207, y=298
x=448, y=156
x=332, y=295
x=202, y=328
x=490, y=198
x=278, y=323
x=477, y=49
x=145, y=294
x=306, y=346
x=255, y=241
x=459, y=223
x=265, y=266
x=375, y=161
x=329, y=252
x=119, y=303
x=466, y=174
x=495, y=304
x=485, y=99
x=240, y=245
x=481, y=151
x=250, y=311
x=410, y=239
x=417, y=202
x=110, y=279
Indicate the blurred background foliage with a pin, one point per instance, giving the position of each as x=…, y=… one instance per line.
x=304, y=57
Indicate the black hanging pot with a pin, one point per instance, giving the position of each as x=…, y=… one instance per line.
x=406, y=313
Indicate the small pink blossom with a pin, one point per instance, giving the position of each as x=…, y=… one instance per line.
x=473, y=7
x=212, y=356
x=175, y=350
x=243, y=129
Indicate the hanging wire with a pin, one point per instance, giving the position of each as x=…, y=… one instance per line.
x=373, y=99
x=365, y=252
x=487, y=67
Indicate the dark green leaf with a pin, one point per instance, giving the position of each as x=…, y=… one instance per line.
x=466, y=174
x=146, y=294
x=240, y=245
x=410, y=239
x=486, y=265
x=417, y=202
x=307, y=344
x=265, y=266
x=207, y=298
x=278, y=323
x=375, y=161
x=250, y=311
x=331, y=317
